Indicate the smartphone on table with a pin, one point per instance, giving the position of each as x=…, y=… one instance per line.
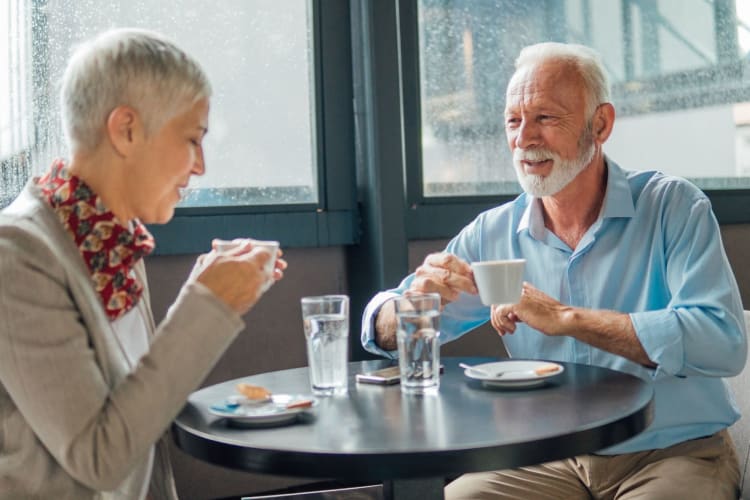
x=383, y=376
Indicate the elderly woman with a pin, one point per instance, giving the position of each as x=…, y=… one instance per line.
x=88, y=383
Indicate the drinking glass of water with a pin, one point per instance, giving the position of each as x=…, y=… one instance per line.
x=418, y=334
x=326, y=321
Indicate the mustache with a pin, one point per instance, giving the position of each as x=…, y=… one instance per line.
x=536, y=154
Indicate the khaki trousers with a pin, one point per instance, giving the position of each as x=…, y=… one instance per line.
x=704, y=469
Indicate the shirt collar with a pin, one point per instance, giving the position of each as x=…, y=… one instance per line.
x=618, y=202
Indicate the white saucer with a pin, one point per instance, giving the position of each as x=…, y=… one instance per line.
x=512, y=373
x=271, y=412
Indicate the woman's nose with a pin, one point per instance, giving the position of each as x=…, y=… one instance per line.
x=199, y=166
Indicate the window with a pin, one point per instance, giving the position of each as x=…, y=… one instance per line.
x=15, y=82
x=260, y=149
x=270, y=171
x=258, y=55
x=677, y=68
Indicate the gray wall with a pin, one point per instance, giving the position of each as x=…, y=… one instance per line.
x=273, y=339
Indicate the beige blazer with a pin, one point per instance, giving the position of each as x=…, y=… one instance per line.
x=73, y=423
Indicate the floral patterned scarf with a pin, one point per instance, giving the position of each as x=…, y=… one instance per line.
x=109, y=248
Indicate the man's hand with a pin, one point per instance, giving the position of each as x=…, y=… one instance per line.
x=445, y=274
x=441, y=273
x=536, y=309
x=611, y=331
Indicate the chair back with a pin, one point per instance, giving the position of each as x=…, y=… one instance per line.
x=740, y=431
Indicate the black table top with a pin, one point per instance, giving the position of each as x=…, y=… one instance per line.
x=378, y=433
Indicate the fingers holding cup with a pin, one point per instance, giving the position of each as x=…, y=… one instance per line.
x=274, y=267
x=237, y=280
x=445, y=274
x=236, y=246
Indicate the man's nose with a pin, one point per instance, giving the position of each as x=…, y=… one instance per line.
x=527, y=135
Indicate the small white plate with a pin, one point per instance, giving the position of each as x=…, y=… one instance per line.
x=512, y=374
x=272, y=412
x=239, y=399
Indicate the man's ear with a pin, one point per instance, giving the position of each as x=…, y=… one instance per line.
x=604, y=121
x=123, y=129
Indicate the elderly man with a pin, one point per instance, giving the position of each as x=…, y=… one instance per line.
x=624, y=269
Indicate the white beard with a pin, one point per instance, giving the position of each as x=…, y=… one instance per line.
x=562, y=173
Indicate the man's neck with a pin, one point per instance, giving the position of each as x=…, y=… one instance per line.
x=571, y=212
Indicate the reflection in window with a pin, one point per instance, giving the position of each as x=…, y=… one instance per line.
x=260, y=148
x=677, y=69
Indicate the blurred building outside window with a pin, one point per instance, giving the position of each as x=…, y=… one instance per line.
x=679, y=71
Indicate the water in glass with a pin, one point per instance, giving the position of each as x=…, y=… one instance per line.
x=327, y=351
x=419, y=350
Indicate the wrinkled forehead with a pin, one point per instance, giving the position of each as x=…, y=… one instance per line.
x=546, y=82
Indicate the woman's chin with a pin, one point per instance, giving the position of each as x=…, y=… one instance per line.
x=162, y=216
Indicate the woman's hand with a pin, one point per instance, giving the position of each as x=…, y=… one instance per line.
x=239, y=278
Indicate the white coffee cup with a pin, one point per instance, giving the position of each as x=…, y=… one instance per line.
x=227, y=246
x=273, y=249
x=499, y=281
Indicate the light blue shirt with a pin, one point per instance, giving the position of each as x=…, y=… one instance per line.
x=655, y=252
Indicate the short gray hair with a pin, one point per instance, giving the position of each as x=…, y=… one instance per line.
x=132, y=67
x=585, y=60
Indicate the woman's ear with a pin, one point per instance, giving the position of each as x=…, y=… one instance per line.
x=123, y=129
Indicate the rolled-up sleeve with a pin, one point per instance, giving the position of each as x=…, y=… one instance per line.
x=702, y=330
x=368, y=324
x=457, y=318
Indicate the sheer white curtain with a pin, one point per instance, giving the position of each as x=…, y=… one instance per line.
x=15, y=96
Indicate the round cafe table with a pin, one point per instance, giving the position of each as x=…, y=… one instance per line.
x=411, y=443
